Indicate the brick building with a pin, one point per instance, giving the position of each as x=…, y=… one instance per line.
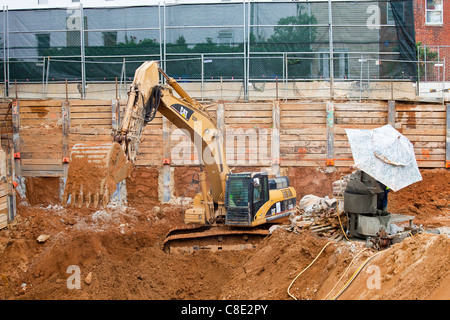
x=432, y=27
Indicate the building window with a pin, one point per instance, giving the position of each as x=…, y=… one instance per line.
x=434, y=11
x=42, y=1
x=73, y=33
x=390, y=16
x=110, y=39
x=340, y=65
x=43, y=42
x=225, y=37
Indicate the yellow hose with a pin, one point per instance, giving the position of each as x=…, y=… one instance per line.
x=337, y=211
x=305, y=270
x=355, y=274
x=345, y=272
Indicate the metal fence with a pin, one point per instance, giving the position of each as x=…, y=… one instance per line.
x=249, y=43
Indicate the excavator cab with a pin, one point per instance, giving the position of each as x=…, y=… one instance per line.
x=251, y=198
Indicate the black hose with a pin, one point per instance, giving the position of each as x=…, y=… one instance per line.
x=152, y=105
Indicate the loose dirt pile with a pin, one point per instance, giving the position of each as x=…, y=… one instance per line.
x=427, y=200
x=118, y=253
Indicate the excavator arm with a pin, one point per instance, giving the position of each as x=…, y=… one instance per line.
x=113, y=160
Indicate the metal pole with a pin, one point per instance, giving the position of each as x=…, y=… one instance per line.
x=247, y=56
x=330, y=21
x=43, y=78
x=360, y=79
x=286, y=73
x=425, y=57
x=164, y=66
x=8, y=79
x=202, y=60
x=160, y=33
x=368, y=77
x=443, y=83
x=5, y=93
x=83, y=57
x=47, y=75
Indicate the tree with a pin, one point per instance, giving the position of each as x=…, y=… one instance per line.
x=295, y=32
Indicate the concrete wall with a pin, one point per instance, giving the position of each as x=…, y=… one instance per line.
x=234, y=91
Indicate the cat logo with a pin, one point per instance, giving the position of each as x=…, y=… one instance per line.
x=183, y=111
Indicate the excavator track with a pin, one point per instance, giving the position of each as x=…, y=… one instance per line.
x=193, y=238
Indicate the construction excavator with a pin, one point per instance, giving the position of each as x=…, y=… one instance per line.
x=237, y=209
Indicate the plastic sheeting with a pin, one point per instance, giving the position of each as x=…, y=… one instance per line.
x=386, y=155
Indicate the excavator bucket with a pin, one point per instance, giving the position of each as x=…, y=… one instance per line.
x=93, y=174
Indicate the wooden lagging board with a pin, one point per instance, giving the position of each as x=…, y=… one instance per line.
x=40, y=144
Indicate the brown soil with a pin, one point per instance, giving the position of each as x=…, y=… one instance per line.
x=121, y=248
x=427, y=200
x=43, y=191
x=316, y=181
x=142, y=187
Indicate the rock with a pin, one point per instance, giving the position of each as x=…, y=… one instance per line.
x=88, y=278
x=273, y=228
x=43, y=238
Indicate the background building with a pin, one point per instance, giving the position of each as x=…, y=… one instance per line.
x=432, y=24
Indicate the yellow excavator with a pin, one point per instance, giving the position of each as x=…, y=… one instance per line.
x=236, y=205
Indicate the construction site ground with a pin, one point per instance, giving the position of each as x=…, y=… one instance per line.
x=118, y=250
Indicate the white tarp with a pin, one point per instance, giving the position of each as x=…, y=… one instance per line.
x=386, y=155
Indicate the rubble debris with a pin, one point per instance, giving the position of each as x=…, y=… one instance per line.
x=43, y=238
x=319, y=215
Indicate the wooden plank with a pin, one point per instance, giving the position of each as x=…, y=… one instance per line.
x=43, y=173
x=352, y=106
x=302, y=107
x=40, y=103
x=308, y=130
x=92, y=115
x=301, y=114
x=410, y=123
x=422, y=115
x=414, y=138
x=78, y=109
x=89, y=122
x=304, y=137
x=77, y=102
x=418, y=107
x=447, y=138
x=47, y=161
x=40, y=111
x=302, y=120
x=3, y=221
x=361, y=121
x=247, y=106
x=55, y=123
x=365, y=114
x=423, y=132
x=90, y=131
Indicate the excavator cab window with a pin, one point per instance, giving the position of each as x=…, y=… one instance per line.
x=238, y=191
x=260, y=192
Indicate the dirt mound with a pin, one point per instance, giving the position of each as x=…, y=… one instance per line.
x=428, y=200
x=417, y=268
x=272, y=267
